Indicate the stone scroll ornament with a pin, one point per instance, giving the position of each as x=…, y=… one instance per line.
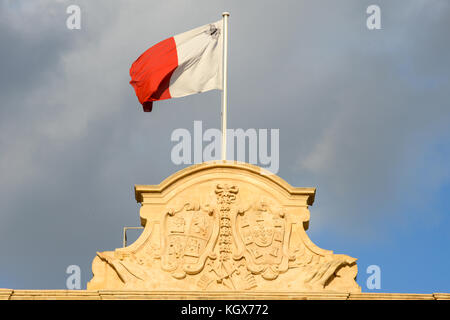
x=216, y=239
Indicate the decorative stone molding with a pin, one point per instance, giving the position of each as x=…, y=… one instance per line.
x=227, y=227
x=8, y=294
x=5, y=294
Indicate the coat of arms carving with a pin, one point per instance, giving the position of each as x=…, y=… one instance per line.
x=263, y=236
x=186, y=240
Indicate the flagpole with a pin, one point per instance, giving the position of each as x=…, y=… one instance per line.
x=225, y=16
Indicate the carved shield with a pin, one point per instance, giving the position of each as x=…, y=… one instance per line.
x=262, y=232
x=187, y=239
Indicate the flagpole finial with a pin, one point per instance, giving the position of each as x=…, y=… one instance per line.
x=226, y=13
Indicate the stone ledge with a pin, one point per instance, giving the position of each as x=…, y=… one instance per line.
x=215, y=295
x=390, y=296
x=54, y=295
x=5, y=294
x=9, y=294
x=441, y=296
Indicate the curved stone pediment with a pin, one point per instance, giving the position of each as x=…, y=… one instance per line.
x=224, y=226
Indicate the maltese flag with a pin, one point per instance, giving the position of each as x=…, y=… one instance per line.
x=184, y=64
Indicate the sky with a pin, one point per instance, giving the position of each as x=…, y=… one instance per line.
x=363, y=116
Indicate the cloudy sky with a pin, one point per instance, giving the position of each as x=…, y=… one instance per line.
x=363, y=116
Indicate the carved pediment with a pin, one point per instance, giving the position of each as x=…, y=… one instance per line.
x=224, y=226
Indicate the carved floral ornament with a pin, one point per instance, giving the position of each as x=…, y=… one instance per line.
x=230, y=229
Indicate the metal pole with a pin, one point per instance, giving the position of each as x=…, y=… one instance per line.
x=225, y=16
x=125, y=234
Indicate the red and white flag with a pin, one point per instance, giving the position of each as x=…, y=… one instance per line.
x=184, y=64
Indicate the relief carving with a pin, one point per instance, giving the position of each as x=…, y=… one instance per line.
x=263, y=239
x=230, y=229
x=186, y=240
